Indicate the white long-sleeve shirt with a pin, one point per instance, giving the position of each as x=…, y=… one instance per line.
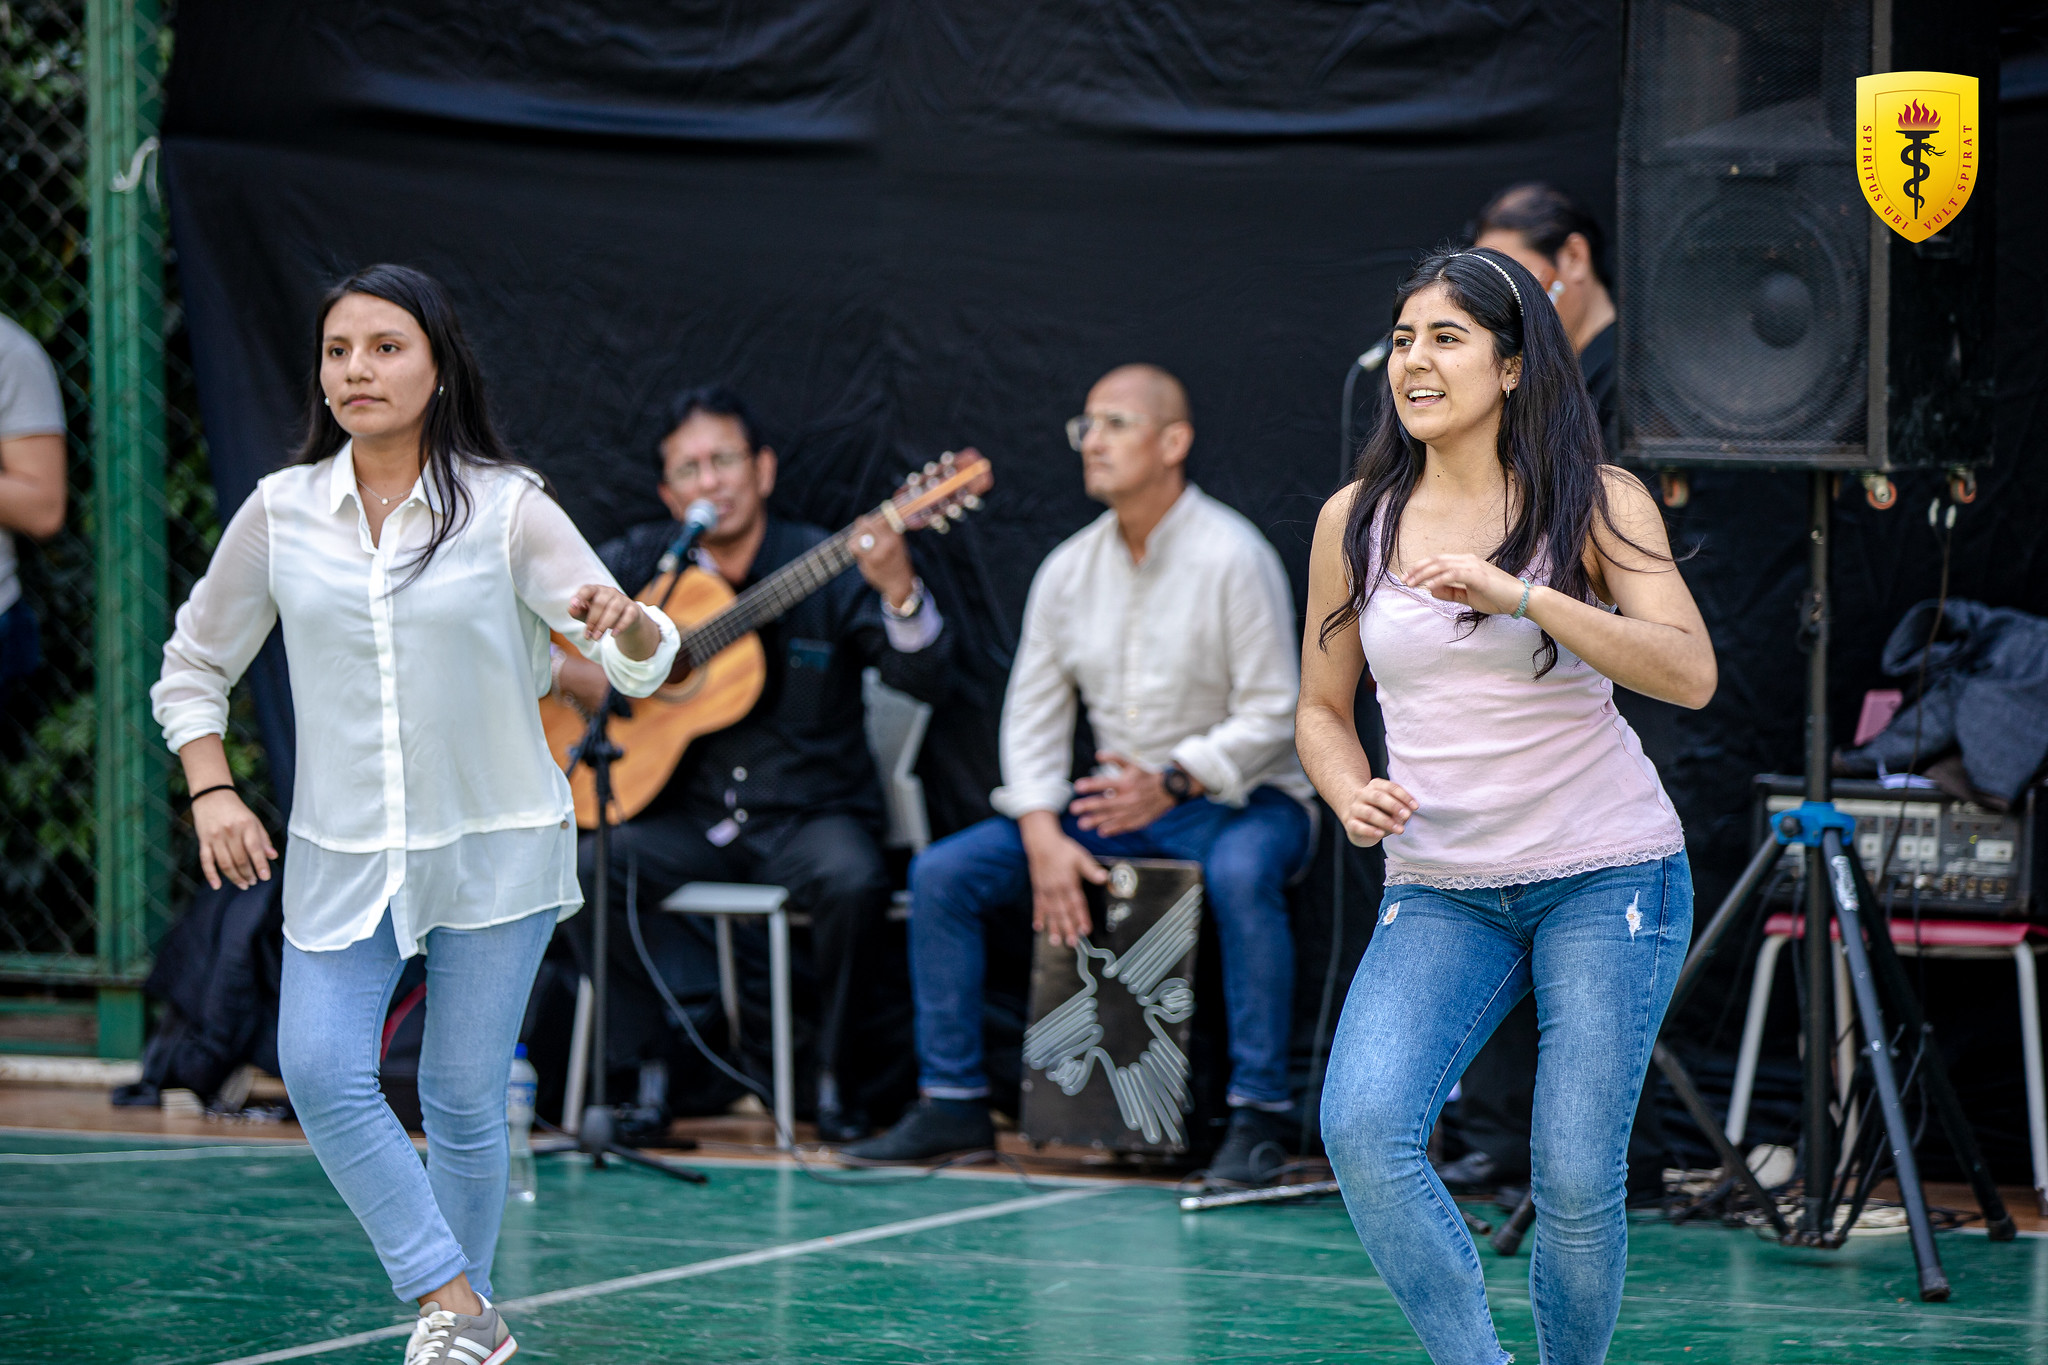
x=424, y=781
x=1189, y=656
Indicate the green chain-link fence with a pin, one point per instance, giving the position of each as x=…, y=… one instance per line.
x=95, y=855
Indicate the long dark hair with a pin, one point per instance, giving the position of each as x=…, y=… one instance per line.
x=457, y=435
x=1549, y=443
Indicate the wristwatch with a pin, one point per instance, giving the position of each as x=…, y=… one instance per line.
x=912, y=604
x=1178, y=784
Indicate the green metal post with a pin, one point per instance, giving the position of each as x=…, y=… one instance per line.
x=128, y=523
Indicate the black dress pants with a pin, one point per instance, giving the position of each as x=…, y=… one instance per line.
x=832, y=866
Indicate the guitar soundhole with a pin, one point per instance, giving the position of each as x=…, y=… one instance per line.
x=683, y=691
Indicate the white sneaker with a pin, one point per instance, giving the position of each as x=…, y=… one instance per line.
x=441, y=1337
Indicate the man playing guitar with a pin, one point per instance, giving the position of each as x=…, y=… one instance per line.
x=787, y=796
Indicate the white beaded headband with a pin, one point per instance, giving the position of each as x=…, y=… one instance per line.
x=1502, y=271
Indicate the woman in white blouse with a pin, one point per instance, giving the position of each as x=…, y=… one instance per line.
x=416, y=571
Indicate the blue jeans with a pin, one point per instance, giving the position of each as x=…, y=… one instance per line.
x=1602, y=951
x=428, y=1225
x=960, y=883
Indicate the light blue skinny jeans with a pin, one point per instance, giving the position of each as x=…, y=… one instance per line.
x=1602, y=951
x=432, y=1223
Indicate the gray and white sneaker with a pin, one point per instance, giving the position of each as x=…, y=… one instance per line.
x=442, y=1337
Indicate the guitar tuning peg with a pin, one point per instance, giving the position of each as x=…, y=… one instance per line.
x=942, y=526
x=955, y=512
x=932, y=468
x=947, y=459
x=971, y=502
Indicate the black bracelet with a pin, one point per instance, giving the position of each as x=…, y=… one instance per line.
x=193, y=799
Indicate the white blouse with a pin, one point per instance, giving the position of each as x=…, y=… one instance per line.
x=424, y=782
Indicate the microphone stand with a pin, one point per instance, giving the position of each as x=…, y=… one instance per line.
x=596, y=1135
x=1347, y=452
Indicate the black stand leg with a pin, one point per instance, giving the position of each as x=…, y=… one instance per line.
x=1731, y=913
x=1508, y=1240
x=1878, y=1054
x=595, y=1134
x=1817, y=1213
x=1734, y=1166
x=1893, y=984
x=1734, y=910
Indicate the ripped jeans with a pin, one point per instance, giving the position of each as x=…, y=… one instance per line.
x=1602, y=952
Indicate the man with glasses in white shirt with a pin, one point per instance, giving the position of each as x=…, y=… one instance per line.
x=1170, y=618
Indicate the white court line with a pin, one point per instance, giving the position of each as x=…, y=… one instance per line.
x=695, y=1269
x=251, y=1139
x=148, y=1154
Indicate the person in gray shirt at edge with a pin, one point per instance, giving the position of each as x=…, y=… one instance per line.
x=1170, y=618
x=31, y=493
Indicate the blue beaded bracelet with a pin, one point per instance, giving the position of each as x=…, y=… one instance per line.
x=1527, y=588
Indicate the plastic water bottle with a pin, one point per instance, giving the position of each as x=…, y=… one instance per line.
x=519, y=1124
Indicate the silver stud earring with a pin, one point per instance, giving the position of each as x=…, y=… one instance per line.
x=325, y=404
x=442, y=389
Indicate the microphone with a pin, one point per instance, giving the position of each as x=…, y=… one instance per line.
x=1377, y=356
x=699, y=517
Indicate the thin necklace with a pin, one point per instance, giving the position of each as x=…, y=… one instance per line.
x=371, y=491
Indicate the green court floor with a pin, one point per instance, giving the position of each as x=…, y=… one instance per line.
x=193, y=1253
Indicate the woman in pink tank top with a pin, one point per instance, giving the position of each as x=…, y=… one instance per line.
x=1498, y=579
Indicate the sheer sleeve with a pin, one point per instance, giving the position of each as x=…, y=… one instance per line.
x=218, y=631
x=550, y=561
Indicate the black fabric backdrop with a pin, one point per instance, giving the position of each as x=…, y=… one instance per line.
x=903, y=227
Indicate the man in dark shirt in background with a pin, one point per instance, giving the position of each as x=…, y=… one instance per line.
x=1563, y=247
x=788, y=796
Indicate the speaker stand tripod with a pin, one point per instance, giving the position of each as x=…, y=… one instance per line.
x=1836, y=895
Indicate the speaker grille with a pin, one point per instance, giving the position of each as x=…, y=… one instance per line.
x=1745, y=245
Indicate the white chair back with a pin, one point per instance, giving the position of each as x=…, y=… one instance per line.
x=896, y=724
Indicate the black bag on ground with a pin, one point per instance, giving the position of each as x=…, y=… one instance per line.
x=217, y=975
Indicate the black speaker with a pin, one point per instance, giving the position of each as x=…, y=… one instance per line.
x=1754, y=328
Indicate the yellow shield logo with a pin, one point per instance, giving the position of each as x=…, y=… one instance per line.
x=1917, y=148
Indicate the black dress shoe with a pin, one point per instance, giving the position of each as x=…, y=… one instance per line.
x=842, y=1125
x=1254, y=1149
x=934, y=1128
x=1473, y=1173
x=638, y=1125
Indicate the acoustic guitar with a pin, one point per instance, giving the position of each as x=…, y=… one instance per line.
x=728, y=667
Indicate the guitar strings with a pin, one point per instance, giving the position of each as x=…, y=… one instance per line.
x=772, y=596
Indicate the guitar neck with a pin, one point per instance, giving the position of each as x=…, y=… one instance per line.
x=771, y=597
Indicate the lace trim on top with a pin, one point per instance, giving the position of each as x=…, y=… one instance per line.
x=1548, y=870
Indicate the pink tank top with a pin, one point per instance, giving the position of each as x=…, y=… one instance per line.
x=1516, y=778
